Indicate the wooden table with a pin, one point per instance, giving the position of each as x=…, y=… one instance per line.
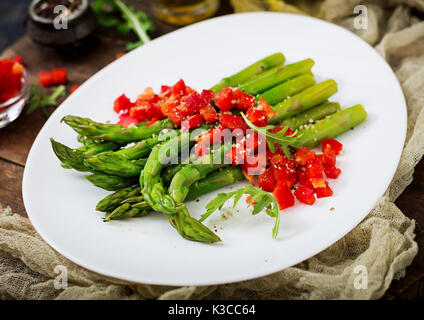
x=17, y=138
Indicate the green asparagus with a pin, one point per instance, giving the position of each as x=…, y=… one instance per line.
x=332, y=126
x=214, y=181
x=309, y=117
x=288, y=88
x=115, y=132
x=256, y=68
x=109, y=182
x=113, y=164
x=304, y=100
x=281, y=74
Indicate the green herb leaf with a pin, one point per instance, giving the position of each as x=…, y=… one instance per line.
x=260, y=200
x=107, y=12
x=41, y=100
x=279, y=138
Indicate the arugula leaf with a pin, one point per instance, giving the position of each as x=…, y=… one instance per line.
x=260, y=200
x=271, y=138
x=130, y=20
x=41, y=100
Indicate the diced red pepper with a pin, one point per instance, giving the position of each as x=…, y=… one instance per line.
x=332, y=172
x=207, y=95
x=334, y=145
x=315, y=173
x=257, y=117
x=179, y=89
x=192, y=104
x=242, y=100
x=126, y=120
x=305, y=195
x=303, y=155
x=283, y=195
x=59, y=76
x=209, y=114
x=263, y=105
x=176, y=117
x=284, y=169
x=255, y=164
x=122, y=103
x=74, y=88
x=45, y=78
x=224, y=100
x=324, y=191
x=302, y=176
x=266, y=180
x=191, y=122
x=232, y=122
x=328, y=157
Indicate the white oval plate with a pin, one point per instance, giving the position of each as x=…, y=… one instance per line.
x=60, y=203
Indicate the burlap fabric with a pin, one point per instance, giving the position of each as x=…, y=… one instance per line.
x=383, y=242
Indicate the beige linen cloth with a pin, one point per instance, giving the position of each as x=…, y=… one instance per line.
x=383, y=242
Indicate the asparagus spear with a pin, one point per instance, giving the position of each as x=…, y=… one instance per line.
x=332, y=126
x=304, y=100
x=113, y=200
x=256, y=68
x=280, y=75
x=192, y=172
x=288, y=88
x=113, y=164
x=109, y=182
x=115, y=132
x=311, y=115
x=70, y=158
x=214, y=181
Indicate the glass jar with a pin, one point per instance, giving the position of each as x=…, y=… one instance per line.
x=183, y=12
x=12, y=108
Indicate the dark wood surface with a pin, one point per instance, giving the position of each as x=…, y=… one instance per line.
x=17, y=138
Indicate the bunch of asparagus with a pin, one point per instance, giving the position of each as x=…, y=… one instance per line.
x=143, y=183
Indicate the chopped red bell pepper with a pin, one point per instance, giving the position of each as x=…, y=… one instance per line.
x=207, y=95
x=315, y=173
x=122, y=103
x=284, y=169
x=59, y=76
x=224, y=100
x=263, y=105
x=192, y=104
x=242, y=100
x=324, y=191
x=257, y=117
x=266, y=180
x=334, y=145
x=305, y=195
x=332, y=172
x=303, y=155
x=126, y=120
x=283, y=195
x=209, y=114
x=45, y=78
x=191, y=122
x=233, y=122
x=328, y=157
x=179, y=89
x=151, y=122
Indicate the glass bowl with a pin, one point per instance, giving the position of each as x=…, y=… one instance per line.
x=12, y=108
